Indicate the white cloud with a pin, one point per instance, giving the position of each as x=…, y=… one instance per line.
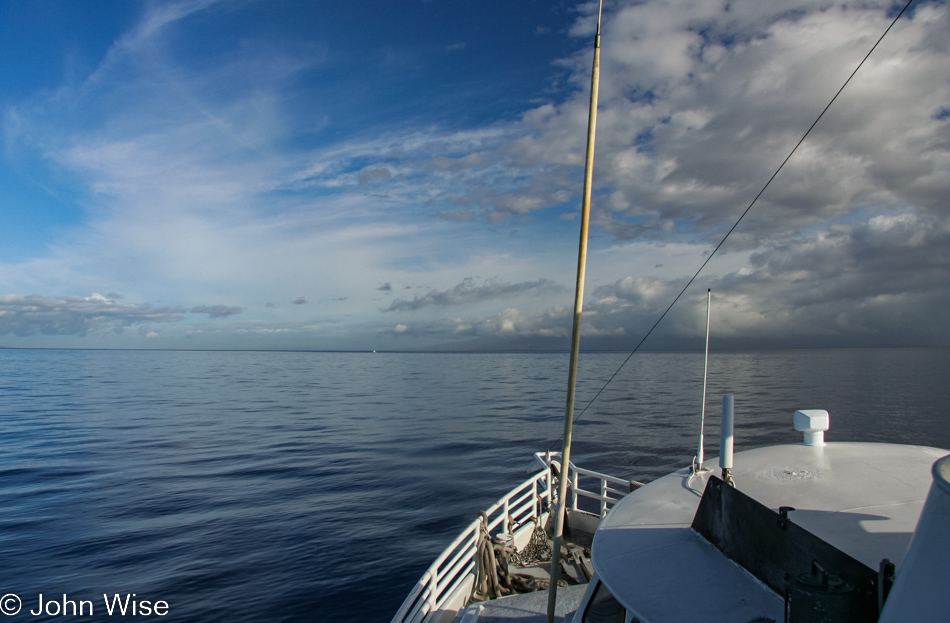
x=190, y=194
x=78, y=316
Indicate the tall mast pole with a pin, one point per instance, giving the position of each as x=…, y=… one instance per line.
x=576, y=333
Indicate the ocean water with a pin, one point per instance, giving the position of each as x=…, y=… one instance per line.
x=279, y=486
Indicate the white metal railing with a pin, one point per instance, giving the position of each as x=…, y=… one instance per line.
x=457, y=561
x=605, y=494
x=455, y=566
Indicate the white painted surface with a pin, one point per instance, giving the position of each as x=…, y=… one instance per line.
x=863, y=498
x=920, y=592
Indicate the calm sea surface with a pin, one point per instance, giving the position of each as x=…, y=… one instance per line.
x=285, y=486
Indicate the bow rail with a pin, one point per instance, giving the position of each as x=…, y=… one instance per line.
x=447, y=584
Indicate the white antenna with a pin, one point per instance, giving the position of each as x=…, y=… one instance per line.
x=726, y=439
x=698, y=461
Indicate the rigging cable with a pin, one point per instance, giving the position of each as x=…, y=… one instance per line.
x=742, y=216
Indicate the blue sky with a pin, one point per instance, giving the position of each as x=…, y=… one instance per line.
x=406, y=174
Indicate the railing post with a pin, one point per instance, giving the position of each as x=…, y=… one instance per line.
x=505, y=528
x=574, y=490
x=536, y=504
x=434, y=593
x=603, y=497
x=547, y=482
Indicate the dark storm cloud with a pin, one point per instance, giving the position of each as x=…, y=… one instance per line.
x=467, y=292
x=217, y=311
x=74, y=315
x=34, y=314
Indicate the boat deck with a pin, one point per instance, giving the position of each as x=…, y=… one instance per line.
x=527, y=608
x=863, y=498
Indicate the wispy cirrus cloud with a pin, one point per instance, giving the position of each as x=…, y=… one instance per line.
x=458, y=216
